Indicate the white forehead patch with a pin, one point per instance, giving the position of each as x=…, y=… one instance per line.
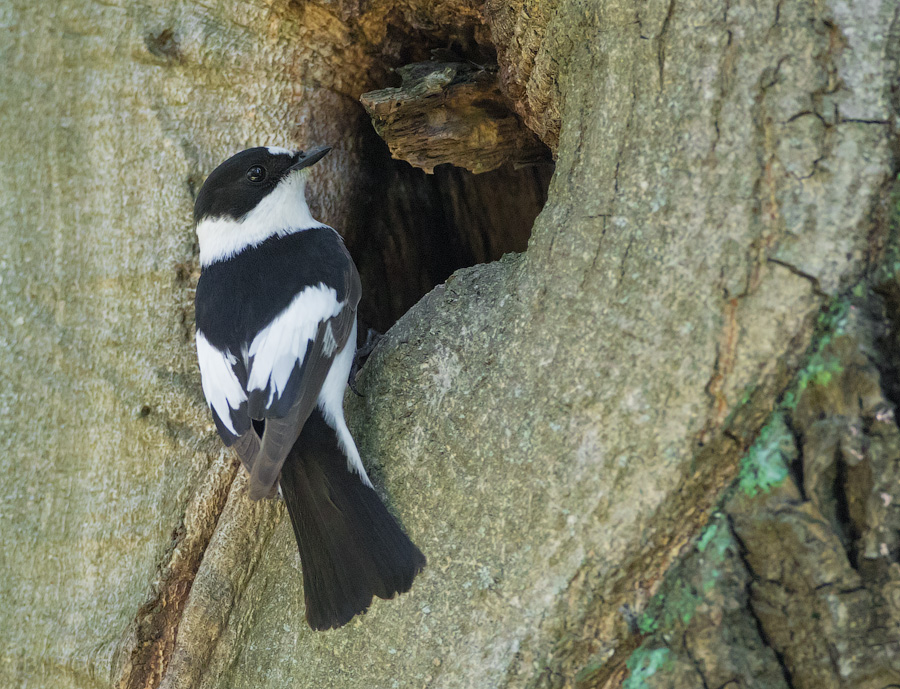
x=278, y=150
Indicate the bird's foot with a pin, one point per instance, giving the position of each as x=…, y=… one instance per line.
x=373, y=337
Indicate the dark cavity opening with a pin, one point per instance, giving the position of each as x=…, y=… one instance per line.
x=408, y=230
x=412, y=230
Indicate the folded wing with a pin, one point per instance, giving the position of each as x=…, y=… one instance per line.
x=287, y=368
x=278, y=375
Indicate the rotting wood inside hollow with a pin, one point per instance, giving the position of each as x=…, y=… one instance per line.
x=412, y=230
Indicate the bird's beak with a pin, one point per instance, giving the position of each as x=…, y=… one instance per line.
x=305, y=159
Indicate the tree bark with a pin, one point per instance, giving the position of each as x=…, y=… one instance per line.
x=656, y=448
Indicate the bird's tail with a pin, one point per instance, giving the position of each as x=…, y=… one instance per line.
x=351, y=548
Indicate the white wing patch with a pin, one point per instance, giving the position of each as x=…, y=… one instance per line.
x=221, y=387
x=282, y=344
x=329, y=344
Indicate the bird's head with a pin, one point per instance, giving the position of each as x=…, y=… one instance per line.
x=255, y=194
x=239, y=184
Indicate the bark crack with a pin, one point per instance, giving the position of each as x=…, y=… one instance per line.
x=696, y=663
x=661, y=43
x=726, y=67
x=813, y=280
x=752, y=576
x=627, y=251
x=626, y=135
x=726, y=355
x=144, y=654
x=851, y=120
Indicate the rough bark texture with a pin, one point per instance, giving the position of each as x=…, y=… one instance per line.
x=554, y=428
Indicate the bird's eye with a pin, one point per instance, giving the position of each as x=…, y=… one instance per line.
x=257, y=173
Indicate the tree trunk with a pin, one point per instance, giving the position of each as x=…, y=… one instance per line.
x=655, y=449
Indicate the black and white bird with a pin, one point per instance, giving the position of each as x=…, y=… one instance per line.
x=276, y=338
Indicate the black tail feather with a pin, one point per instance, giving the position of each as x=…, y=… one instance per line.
x=351, y=548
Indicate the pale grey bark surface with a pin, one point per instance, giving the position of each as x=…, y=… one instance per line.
x=551, y=428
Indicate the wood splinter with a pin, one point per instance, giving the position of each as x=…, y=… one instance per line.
x=450, y=112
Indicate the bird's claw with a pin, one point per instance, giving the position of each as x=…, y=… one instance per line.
x=373, y=337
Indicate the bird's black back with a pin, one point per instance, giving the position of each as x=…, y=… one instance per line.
x=240, y=296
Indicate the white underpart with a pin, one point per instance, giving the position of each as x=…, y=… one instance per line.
x=282, y=211
x=221, y=387
x=331, y=402
x=277, y=349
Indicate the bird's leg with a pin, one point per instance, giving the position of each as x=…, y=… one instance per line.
x=373, y=337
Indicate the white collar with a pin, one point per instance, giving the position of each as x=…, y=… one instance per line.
x=281, y=212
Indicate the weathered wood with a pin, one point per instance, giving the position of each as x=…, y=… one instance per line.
x=451, y=112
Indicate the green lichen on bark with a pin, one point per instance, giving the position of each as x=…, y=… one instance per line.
x=643, y=665
x=676, y=602
x=697, y=620
x=766, y=464
x=810, y=569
